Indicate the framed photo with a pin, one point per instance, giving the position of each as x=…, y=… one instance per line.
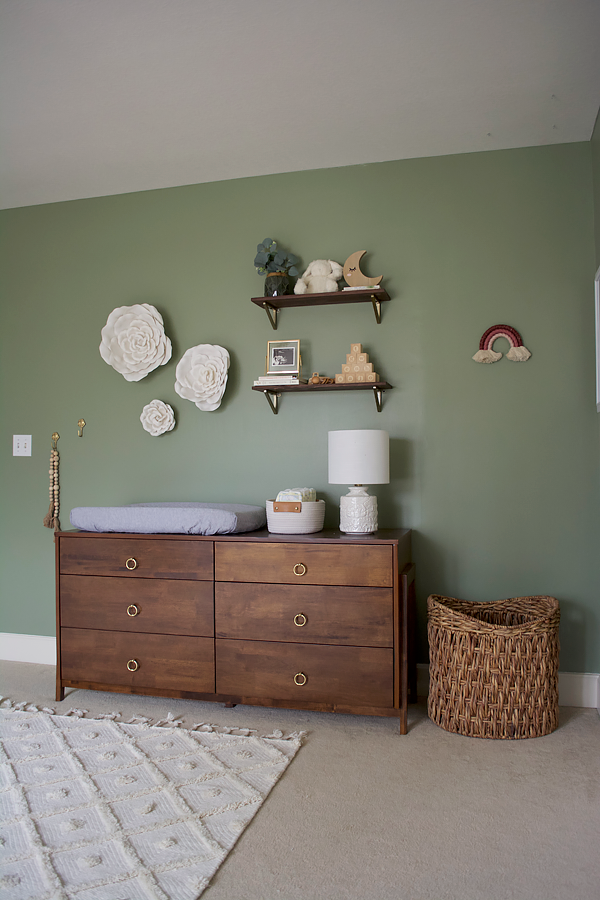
x=283, y=357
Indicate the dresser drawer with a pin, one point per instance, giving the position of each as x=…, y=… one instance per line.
x=163, y=661
x=352, y=676
x=301, y=613
x=132, y=557
x=281, y=563
x=137, y=604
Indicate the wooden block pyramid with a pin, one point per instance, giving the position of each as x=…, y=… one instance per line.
x=357, y=367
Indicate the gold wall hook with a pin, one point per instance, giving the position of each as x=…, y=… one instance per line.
x=55, y=438
x=81, y=426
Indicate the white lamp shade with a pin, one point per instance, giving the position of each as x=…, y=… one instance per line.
x=359, y=457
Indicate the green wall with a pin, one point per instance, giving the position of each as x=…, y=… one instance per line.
x=496, y=468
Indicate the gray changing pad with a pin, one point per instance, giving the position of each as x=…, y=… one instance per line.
x=171, y=518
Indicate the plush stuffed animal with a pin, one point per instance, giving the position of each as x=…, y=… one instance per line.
x=321, y=276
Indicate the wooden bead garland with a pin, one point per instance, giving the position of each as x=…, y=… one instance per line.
x=51, y=519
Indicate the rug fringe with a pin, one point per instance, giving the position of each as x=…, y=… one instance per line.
x=171, y=721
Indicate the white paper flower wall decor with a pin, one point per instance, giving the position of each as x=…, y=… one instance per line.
x=201, y=375
x=157, y=418
x=134, y=342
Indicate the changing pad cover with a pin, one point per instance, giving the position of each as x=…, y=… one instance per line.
x=171, y=518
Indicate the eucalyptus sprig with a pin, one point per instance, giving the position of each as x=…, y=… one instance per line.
x=269, y=259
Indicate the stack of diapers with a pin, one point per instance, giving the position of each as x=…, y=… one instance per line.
x=308, y=494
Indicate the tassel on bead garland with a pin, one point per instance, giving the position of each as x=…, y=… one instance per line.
x=51, y=518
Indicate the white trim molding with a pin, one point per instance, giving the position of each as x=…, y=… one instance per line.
x=574, y=688
x=31, y=648
x=578, y=689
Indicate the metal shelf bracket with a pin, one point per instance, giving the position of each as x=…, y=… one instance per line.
x=376, y=308
x=378, y=394
x=271, y=311
x=273, y=400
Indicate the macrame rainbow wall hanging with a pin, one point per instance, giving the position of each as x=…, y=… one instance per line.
x=517, y=352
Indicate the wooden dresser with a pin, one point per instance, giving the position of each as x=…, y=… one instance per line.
x=322, y=621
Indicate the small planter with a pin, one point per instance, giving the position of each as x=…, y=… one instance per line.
x=277, y=284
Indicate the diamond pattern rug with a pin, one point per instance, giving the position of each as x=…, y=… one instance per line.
x=101, y=809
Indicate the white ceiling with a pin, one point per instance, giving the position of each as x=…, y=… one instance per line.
x=109, y=96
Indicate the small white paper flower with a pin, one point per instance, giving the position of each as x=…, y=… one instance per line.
x=134, y=341
x=202, y=375
x=157, y=417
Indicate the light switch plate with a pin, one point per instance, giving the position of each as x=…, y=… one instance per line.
x=21, y=445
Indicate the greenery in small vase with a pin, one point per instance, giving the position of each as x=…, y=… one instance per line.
x=269, y=259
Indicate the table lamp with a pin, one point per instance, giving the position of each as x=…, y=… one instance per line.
x=359, y=458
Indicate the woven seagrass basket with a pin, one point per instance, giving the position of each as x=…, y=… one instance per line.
x=493, y=667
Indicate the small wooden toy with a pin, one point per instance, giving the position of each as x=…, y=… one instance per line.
x=319, y=379
x=357, y=368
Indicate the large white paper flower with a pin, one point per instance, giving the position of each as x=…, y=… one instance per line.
x=202, y=375
x=134, y=341
x=157, y=417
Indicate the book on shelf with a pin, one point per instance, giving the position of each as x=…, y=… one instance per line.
x=363, y=287
x=280, y=379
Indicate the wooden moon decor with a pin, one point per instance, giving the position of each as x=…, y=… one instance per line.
x=354, y=277
x=486, y=353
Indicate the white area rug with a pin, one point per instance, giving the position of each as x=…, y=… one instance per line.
x=100, y=809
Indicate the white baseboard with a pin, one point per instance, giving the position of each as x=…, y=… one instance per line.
x=31, y=648
x=574, y=688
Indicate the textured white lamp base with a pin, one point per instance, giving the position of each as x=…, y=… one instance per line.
x=358, y=512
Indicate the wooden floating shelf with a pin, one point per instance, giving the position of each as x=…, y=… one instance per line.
x=272, y=305
x=272, y=392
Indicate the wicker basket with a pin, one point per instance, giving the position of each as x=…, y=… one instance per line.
x=493, y=667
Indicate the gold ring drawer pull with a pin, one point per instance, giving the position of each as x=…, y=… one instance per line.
x=132, y=610
x=131, y=563
x=299, y=569
x=300, y=620
x=300, y=679
x=133, y=665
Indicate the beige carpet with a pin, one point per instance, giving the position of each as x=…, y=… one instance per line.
x=364, y=813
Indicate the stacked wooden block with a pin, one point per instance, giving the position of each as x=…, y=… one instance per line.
x=357, y=367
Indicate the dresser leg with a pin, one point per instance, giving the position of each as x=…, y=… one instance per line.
x=408, y=669
x=60, y=693
x=404, y=721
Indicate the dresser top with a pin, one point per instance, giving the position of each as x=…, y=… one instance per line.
x=383, y=536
